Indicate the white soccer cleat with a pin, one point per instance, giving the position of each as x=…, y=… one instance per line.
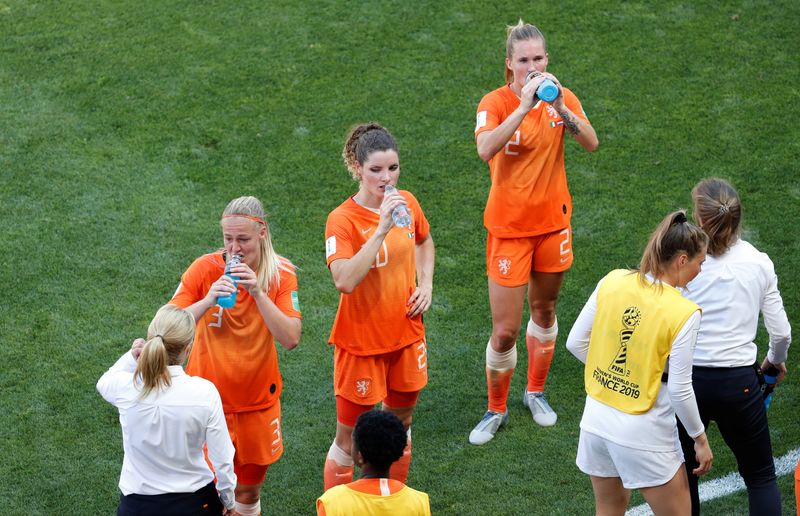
x=488, y=426
x=543, y=414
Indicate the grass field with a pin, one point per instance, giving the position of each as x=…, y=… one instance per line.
x=125, y=129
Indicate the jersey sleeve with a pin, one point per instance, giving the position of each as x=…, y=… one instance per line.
x=421, y=226
x=286, y=297
x=574, y=105
x=489, y=114
x=190, y=289
x=338, y=239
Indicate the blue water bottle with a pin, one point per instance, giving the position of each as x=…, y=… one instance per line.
x=230, y=300
x=770, y=381
x=547, y=90
x=400, y=215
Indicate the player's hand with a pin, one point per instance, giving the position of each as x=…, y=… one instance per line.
x=136, y=348
x=247, y=277
x=527, y=95
x=702, y=452
x=558, y=102
x=390, y=202
x=419, y=302
x=222, y=287
x=780, y=367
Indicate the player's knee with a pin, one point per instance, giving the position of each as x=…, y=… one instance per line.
x=248, y=493
x=504, y=338
x=543, y=313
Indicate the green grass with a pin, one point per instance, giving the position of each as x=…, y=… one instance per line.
x=125, y=129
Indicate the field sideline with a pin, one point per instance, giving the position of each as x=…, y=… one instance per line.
x=124, y=131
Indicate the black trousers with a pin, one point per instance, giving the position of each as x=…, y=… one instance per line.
x=732, y=397
x=204, y=501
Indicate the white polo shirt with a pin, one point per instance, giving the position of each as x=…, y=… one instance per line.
x=163, y=434
x=732, y=289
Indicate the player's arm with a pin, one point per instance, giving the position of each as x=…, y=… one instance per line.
x=421, y=299
x=348, y=273
x=224, y=286
x=581, y=332
x=491, y=141
x=580, y=129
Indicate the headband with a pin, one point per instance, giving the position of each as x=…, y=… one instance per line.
x=254, y=219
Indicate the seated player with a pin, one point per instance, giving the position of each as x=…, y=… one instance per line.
x=378, y=441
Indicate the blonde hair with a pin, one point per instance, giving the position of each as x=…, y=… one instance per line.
x=719, y=212
x=520, y=32
x=363, y=140
x=674, y=235
x=169, y=333
x=269, y=263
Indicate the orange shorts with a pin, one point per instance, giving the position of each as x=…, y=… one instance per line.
x=510, y=261
x=256, y=436
x=365, y=380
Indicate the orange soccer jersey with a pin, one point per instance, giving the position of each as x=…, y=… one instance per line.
x=372, y=319
x=233, y=348
x=529, y=193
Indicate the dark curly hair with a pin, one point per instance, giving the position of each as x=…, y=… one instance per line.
x=380, y=437
x=363, y=140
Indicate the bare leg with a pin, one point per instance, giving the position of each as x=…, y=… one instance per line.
x=610, y=496
x=671, y=498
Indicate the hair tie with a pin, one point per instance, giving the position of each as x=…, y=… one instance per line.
x=723, y=209
x=254, y=219
x=159, y=336
x=680, y=218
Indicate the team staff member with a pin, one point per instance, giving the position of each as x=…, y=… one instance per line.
x=378, y=441
x=737, y=283
x=635, y=327
x=385, y=276
x=235, y=347
x=529, y=245
x=166, y=417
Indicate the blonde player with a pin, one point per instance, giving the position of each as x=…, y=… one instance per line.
x=385, y=276
x=529, y=245
x=633, y=329
x=235, y=347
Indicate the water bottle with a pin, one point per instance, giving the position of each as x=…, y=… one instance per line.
x=547, y=90
x=400, y=215
x=770, y=381
x=230, y=300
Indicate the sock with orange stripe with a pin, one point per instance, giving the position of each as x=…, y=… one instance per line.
x=399, y=470
x=541, y=343
x=338, y=467
x=499, y=370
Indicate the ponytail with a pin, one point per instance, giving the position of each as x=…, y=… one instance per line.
x=719, y=212
x=170, y=333
x=674, y=235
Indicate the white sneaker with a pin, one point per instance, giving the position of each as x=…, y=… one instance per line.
x=542, y=412
x=488, y=426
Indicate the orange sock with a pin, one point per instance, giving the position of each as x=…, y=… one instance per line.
x=498, y=383
x=797, y=487
x=399, y=470
x=540, y=356
x=338, y=468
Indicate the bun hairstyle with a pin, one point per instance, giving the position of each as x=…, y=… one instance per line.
x=380, y=437
x=719, y=212
x=169, y=334
x=673, y=236
x=269, y=265
x=520, y=32
x=363, y=140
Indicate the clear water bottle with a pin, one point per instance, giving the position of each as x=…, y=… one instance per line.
x=770, y=381
x=547, y=90
x=230, y=300
x=400, y=215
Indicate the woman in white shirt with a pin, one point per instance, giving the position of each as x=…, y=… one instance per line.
x=634, y=327
x=166, y=418
x=737, y=283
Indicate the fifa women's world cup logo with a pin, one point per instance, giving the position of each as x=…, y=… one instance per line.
x=631, y=318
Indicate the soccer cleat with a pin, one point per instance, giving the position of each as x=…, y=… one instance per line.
x=488, y=426
x=543, y=414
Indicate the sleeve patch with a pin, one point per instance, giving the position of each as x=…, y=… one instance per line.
x=330, y=246
x=481, y=120
x=295, y=301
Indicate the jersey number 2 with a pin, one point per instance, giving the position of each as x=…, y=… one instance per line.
x=513, y=141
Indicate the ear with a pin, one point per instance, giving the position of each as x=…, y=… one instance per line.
x=359, y=459
x=683, y=259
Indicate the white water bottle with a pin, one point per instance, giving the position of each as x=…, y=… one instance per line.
x=400, y=215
